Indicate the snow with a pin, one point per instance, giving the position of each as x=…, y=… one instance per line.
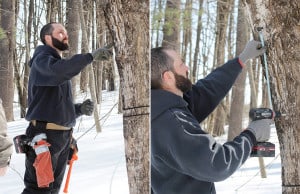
x=101, y=167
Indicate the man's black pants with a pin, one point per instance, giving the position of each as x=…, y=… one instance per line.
x=59, y=150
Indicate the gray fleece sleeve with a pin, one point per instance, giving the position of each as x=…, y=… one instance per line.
x=197, y=154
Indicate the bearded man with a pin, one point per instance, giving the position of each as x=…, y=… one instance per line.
x=51, y=111
x=184, y=158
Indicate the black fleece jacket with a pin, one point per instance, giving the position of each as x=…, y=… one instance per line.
x=184, y=158
x=49, y=88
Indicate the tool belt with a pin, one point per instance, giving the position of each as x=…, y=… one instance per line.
x=52, y=126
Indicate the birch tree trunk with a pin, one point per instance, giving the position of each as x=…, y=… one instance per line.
x=281, y=31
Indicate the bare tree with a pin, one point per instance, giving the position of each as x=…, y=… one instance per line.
x=132, y=56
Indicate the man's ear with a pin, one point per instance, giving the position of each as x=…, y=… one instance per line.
x=168, y=79
x=48, y=39
x=167, y=75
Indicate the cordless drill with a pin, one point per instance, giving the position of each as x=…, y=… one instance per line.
x=263, y=149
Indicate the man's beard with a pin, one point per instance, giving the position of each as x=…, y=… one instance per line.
x=59, y=44
x=182, y=83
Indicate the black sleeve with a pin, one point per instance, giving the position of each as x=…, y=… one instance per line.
x=207, y=93
x=51, y=71
x=77, y=109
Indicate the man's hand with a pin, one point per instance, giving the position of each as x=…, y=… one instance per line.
x=3, y=170
x=102, y=54
x=87, y=107
x=252, y=49
x=261, y=129
x=73, y=149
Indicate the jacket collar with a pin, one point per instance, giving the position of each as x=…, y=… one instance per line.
x=162, y=100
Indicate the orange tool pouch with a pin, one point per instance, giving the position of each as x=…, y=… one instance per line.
x=42, y=163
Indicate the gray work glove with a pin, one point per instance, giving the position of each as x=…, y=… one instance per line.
x=103, y=53
x=87, y=107
x=261, y=129
x=252, y=49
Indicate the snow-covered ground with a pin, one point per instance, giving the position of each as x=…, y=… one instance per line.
x=101, y=167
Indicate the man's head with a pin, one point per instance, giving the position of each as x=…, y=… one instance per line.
x=168, y=72
x=55, y=35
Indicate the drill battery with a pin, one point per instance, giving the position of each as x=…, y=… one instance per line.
x=263, y=149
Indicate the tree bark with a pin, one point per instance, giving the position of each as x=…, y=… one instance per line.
x=84, y=12
x=89, y=69
x=52, y=11
x=197, y=47
x=223, y=10
x=171, y=27
x=238, y=89
x=131, y=44
x=281, y=31
x=100, y=40
x=73, y=27
x=7, y=48
x=187, y=29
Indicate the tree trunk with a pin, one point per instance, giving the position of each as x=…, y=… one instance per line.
x=187, y=29
x=7, y=48
x=84, y=12
x=280, y=20
x=100, y=40
x=73, y=27
x=171, y=28
x=156, y=24
x=52, y=11
x=197, y=47
x=132, y=57
x=238, y=89
x=90, y=70
x=223, y=10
